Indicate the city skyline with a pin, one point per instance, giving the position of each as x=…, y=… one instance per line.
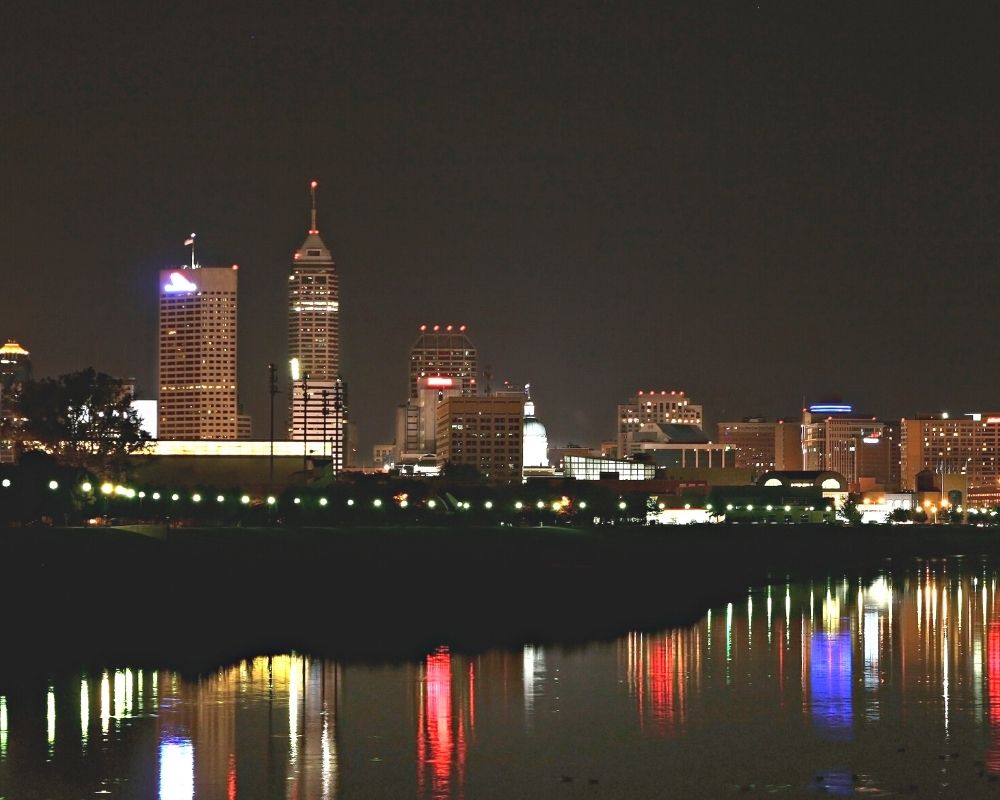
x=611, y=199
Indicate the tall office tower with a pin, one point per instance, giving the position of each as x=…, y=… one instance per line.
x=835, y=437
x=318, y=407
x=443, y=351
x=197, y=365
x=443, y=363
x=15, y=369
x=15, y=365
x=661, y=407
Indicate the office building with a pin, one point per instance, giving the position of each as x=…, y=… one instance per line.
x=485, y=433
x=444, y=351
x=836, y=438
x=787, y=445
x=443, y=363
x=671, y=407
x=15, y=369
x=197, y=353
x=761, y=445
x=15, y=365
x=317, y=405
x=966, y=445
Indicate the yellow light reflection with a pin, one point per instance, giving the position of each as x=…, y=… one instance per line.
x=84, y=710
x=50, y=717
x=329, y=753
x=769, y=615
x=831, y=612
x=3, y=727
x=128, y=692
x=105, y=703
x=293, y=710
x=119, y=694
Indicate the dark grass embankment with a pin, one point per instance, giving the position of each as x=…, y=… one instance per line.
x=203, y=597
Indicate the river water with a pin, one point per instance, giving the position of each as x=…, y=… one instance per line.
x=841, y=687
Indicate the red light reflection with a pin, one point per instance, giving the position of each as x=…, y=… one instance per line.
x=441, y=742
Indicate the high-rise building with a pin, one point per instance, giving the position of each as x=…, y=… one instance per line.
x=443, y=363
x=15, y=365
x=317, y=404
x=753, y=441
x=15, y=369
x=444, y=351
x=967, y=445
x=486, y=433
x=836, y=438
x=197, y=364
x=662, y=407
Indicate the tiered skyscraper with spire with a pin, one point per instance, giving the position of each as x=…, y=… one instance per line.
x=317, y=412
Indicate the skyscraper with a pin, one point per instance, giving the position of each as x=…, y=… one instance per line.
x=443, y=363
x=444, y=351
x=317, y=412
x=197, y=363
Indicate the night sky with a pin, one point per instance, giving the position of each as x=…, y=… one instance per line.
x=753, y=202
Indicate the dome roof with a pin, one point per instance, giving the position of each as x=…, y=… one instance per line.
x=533, y=429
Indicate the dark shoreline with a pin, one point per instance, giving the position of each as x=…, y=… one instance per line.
x=200, y=598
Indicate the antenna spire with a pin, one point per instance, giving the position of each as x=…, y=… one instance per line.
x=312, y=191
x=189, y=242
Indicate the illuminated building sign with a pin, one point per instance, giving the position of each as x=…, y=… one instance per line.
x=440, y=383
x=993, y=420
x=178, y=283
x=871, y=440
x=831, y=408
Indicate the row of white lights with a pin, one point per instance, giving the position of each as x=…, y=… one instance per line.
x=558, y=505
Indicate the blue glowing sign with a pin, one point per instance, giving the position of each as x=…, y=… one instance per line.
x=178, y=283
x=831, y=408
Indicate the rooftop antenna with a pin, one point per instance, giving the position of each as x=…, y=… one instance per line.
x=189, y=242
x=312, y=192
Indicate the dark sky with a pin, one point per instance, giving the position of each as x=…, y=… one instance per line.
x=753, y=202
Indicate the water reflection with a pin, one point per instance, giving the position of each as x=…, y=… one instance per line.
x=911, y=659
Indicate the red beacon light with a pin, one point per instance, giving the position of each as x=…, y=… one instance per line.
x=437, y=327
x=461, y=327
x=423, y=327
x=236, y=266
x=448, y=328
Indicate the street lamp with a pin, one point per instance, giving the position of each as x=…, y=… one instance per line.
x=272, y=391
x=297, y=373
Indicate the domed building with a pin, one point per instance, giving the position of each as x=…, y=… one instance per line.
x=536, y=441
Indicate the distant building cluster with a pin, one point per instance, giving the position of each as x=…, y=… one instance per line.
x=453, y=421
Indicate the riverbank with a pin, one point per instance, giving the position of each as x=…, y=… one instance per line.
x=200, y=597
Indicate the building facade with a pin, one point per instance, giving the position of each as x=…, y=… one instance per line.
x=833, y=437
x=444, y=351
x=671, y=407
x=968, y=445
x=317, y=407
x=482, y=432
x=197, y=353
x=757, y=442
